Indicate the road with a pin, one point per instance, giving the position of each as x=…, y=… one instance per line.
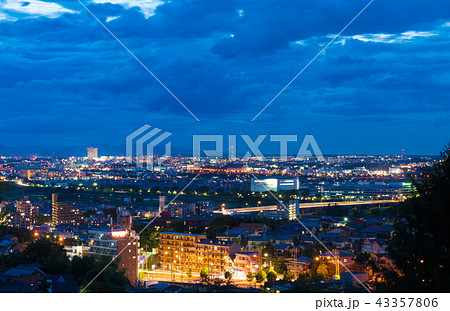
x=304, y=206
x=168, y=276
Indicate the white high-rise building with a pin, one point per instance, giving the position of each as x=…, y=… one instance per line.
x=92, y=152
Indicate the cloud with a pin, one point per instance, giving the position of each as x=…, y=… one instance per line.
x=33, y=8
x=147, y=7
x=391, y=38
x=390, y=68
x=111, y=18
x=6, y=17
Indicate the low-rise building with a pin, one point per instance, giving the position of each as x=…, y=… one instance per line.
x=247, y=262
x=299, y=265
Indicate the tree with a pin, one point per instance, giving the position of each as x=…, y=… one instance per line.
x=22, y=234
x=219, y=224
x=228, y=275
x=420, y=247
x=51, y=256
x=334, y=210
x=260, y=276
x=204, y=273
x=326, y=269
x=269, y=248
x=3, y=187
x=272, y=276
x=310, y=251
x=322, y=269
x=177, y=226
x=148, y=238
x=53, y=259
x=189, y=273
x=250, y=277
x=109, y=281
x=288, y=276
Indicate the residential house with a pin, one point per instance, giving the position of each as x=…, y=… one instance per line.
x=30, y=274
x=282, y=248
x=281, y=239
x=345, y=258
x=353, y=279
x=385, y=232
x=63, y=284
x=383, y=260
x=10, y=244
x=257, y=241
x=252, y=228
x=232, y=235
x=374, y=246
x=299, y=265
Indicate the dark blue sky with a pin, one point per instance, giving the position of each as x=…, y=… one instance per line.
x=380, y=87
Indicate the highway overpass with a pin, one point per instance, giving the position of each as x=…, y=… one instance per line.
x=315, y=205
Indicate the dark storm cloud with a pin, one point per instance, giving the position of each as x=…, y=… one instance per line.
x=225, y=60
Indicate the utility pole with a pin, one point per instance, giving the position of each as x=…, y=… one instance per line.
x=337, y=262
x=146, y=259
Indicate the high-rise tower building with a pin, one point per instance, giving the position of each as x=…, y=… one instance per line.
x=92, y=152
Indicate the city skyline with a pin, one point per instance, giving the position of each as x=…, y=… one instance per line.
x=239, y=146
x=380, y=87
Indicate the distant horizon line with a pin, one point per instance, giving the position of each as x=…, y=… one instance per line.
x=120, y=150
x=191, y=156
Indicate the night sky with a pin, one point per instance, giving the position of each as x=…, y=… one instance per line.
x=382, y=86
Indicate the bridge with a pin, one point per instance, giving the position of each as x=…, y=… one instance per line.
x=315, y=205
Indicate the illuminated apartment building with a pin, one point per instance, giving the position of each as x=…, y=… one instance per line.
x=27, y=208
x=19, y=220
x=288, y=211
x=64, y=212
x=203, y=208
x=178, y=251
x=25, y=214
x=118, y=240
x=247, y=262
x=217, y=255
